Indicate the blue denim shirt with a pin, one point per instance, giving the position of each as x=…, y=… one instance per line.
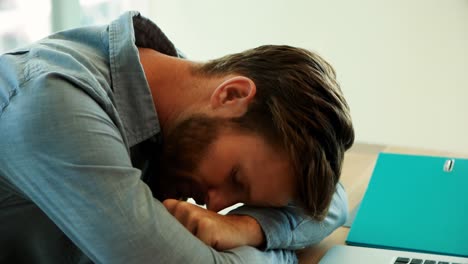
x=75, y=111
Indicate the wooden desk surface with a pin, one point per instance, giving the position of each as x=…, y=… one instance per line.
x=357, y=169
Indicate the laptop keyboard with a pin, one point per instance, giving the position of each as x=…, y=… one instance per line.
x=401, y=260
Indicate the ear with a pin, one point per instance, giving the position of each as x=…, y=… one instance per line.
x=233, y=96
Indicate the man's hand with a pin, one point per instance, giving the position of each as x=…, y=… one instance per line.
x=218, y=231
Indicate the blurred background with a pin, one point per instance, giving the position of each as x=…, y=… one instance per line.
x=402, y=64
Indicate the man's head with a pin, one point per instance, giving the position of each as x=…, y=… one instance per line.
x=278, y=119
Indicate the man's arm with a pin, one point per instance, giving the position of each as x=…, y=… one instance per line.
x=60, y=149
x=266, y=228
x=288, y=228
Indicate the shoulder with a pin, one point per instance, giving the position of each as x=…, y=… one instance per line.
x=50, y=115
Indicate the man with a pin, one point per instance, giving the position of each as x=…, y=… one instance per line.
x=96, y=122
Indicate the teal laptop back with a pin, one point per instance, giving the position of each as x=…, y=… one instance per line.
x=415, y=203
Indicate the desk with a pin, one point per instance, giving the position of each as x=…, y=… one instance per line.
x=357, y=169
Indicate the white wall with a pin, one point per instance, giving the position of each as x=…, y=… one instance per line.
x=402, y=64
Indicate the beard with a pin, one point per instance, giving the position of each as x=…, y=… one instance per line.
x=178, y=158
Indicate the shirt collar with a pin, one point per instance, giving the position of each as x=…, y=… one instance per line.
x=132, y=95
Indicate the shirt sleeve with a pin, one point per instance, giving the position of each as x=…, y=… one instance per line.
x=61, y=150
x=288, y=228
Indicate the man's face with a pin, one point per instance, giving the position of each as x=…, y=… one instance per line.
x=219, y=166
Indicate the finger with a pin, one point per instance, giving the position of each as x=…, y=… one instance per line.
x=177, y=209
x=190, y=216
x=206, y=233
x=187, y=214
x=170, y=204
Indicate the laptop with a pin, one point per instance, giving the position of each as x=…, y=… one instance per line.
x=415, y=210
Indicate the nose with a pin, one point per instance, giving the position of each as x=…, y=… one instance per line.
x=218, y=200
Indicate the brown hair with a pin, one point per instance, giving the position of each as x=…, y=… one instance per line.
x=299, y=107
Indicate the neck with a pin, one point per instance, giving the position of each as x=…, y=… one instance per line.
x=173, y=87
